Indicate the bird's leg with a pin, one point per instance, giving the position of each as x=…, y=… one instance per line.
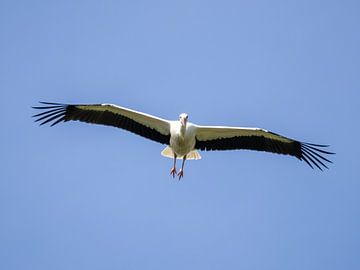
x=181, y=172
x=173, y=169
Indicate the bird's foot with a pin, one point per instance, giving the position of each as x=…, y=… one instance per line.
x=181, y=174
x=173, y=172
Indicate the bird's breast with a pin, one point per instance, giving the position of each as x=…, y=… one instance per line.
x=182, y=144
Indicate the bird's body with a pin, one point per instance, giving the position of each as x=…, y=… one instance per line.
x=182, y=137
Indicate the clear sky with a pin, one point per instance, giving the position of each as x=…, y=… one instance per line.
x=80, y=196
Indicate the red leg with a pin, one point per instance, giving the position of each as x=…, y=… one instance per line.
x=173, y=169
x=181, y=172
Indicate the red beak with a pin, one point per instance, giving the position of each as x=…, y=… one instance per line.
x=183, y=121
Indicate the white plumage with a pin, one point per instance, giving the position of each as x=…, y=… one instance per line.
x=183, y=138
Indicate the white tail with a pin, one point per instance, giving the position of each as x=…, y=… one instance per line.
x=168, y=152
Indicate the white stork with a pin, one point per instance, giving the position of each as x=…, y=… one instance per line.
x=182, y=137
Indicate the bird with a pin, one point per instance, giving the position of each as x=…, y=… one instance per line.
x=183, y=138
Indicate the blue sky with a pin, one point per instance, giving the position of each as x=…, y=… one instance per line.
x=80, y=196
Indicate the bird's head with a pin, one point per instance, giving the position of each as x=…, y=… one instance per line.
x=183, y=118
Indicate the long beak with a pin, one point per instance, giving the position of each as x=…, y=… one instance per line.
x=183, y=121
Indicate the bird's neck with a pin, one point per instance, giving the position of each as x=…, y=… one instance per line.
x=182, y=130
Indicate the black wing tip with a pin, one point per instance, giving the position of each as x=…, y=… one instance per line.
x=314, y=155
x=318, y=147
x=51, y=112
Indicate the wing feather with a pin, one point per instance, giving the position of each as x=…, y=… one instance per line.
x=231, y=138
x=142, y=124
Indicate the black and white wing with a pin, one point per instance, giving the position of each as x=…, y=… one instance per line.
x=231, y=138
x=146, y=125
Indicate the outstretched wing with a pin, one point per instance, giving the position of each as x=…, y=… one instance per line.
x=146, y=125
x=231, y=138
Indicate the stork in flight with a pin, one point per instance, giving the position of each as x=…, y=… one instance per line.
x=183, y=138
